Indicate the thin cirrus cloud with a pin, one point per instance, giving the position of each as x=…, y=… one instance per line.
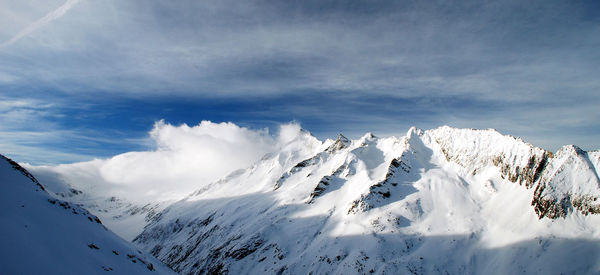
x=511, y=65
x=53, y=15
x=197, y=48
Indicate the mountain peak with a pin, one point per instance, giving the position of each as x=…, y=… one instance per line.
x=413, y=131
x=378, y=205
x=570, y=149
x=387, y=200
x=341, y=137
x=340, y=142
x=368, y=135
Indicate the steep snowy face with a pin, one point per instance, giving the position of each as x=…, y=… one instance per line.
x=297, y=192
x=265, y=174
x=405, y=155
x=444, y=200
x=82, y=184
x=477, y=149
x=569, y=182
x=127, y=191
x=565, y=182
x=43, y=235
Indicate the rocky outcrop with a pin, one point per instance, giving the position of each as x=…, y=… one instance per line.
x=398, y=172
x=382, y=190
x=518, y=161
x=526, y=175
x=297, y=168
x=325, y=182
x=565, y=182
x=569, y=183
x=339, y=144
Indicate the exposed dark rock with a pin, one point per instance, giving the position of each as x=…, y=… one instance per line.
x=245, y=250
x=527, y=175
x=324, y=182
x=298, y=167
x=340, y=143
x=382, y=190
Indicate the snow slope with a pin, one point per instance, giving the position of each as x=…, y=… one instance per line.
x=42, y=235
x=126, y=191
x=82, y=183
x=439, y=201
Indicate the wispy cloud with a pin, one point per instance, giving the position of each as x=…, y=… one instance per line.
x=41, y=132
x=53, y=15
x=475, y=64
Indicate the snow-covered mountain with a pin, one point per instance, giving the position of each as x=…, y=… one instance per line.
x=43, y=235
x=445, y=200
x=128, y=189
x=82, y=184
x=441, y=201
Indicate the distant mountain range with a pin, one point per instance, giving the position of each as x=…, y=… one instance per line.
x=441, y=201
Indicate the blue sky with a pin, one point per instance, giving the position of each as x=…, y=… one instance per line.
x=86, y=78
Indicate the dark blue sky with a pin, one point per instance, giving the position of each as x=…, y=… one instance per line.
x=83, y=78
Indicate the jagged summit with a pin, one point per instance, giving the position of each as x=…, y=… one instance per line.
x=563, y=183
x=413, y=131
x=568, y=183
x=457, y=200
x=445, y=200
x=340, y=142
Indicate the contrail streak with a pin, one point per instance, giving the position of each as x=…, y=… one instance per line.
x=51, y=16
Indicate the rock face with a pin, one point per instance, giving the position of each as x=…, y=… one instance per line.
x=439, y=201
x=569, y=183
x=563, y=183
x=43, y=235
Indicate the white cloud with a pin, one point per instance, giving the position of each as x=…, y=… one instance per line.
x=186, y=158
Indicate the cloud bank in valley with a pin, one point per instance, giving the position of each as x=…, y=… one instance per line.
x=185, y=159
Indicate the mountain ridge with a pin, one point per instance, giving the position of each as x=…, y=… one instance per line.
x=441, y=200
x=40, y=234
x=411, y=190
